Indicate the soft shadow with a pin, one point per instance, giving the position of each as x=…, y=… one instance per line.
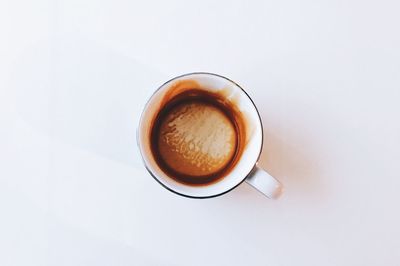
x=85, y=94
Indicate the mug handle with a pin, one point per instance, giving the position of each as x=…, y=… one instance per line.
x=265, y=183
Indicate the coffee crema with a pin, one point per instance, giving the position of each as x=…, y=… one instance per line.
x=197, y=136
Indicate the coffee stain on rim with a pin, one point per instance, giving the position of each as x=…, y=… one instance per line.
x=225, y=101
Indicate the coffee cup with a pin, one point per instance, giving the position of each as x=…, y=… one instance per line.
x=200, y=136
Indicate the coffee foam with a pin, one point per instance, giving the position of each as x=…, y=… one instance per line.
x=196, y=139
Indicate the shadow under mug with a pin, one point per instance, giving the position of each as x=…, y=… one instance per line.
x=245, y=169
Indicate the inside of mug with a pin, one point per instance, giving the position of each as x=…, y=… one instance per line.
x=253, y=143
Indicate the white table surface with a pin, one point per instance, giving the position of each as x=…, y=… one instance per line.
x=74, y=75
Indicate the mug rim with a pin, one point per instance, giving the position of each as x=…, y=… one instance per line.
x=140, y=121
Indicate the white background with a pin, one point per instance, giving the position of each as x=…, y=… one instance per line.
x=74, y=75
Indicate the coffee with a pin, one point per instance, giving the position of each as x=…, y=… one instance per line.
x=197, y=137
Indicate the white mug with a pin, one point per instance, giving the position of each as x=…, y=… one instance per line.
x=245, y=169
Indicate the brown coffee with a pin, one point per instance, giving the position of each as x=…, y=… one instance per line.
x=197, y=137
